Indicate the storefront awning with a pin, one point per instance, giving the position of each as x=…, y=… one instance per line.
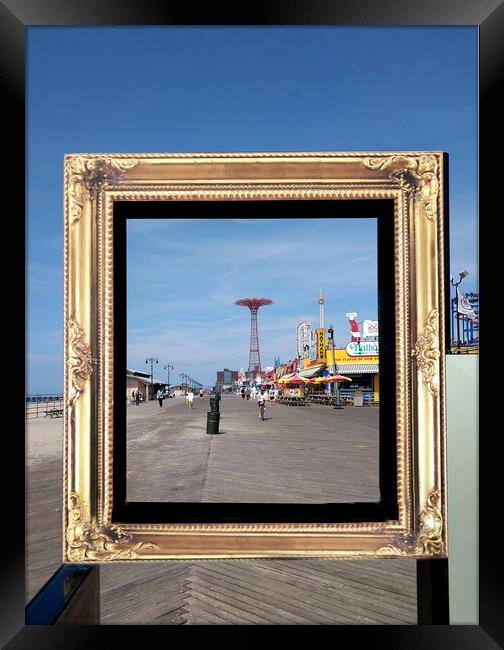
x=285, y=378
x=308, y=373
x=357, y=368
x=142, y=379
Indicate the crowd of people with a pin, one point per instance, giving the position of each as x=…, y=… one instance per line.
x=261, y=395
x=137, y=397
x=270, y=394
x=161, y=395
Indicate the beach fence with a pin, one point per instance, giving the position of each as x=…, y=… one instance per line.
x=43, y=406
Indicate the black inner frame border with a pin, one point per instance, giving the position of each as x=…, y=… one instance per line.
x=205, y=513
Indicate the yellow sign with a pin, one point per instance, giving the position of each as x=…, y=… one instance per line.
x=321, y=345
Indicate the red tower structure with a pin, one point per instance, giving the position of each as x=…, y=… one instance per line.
x=254, y=356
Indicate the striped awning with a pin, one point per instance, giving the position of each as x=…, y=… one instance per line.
x=357, y=368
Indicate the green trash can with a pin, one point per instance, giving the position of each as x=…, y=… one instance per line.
x=213, y=418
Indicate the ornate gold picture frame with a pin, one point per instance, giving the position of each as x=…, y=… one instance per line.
x=414, y=184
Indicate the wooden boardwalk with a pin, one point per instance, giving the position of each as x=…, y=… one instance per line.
x=261, y=592
x=180, y=462
x=311, y=454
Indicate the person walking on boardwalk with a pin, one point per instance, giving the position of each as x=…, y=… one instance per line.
x=190, y=398
x=261, y=399
x=201, y=395
x=160, y=397
x=242, y=392
x=247, y=393
x=137, y=397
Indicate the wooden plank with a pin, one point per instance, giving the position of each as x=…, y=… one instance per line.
x=292, y=457
x=269, y=602
x=297, y=455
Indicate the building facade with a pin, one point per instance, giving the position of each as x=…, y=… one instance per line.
x=227, y=378
x=362, y=368
x=358, y=360
x=141, y=381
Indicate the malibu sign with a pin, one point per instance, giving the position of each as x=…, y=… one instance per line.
x=369, y=349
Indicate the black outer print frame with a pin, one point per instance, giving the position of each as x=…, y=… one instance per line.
x=15, y=16
x=382, y=211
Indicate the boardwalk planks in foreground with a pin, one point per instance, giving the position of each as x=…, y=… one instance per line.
x=224, y=592
x=261, y=592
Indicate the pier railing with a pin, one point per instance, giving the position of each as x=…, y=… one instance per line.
x=42, y=406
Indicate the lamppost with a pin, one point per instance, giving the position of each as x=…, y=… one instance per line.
x=168, y=367
x=336, y=394
x=152, y=361
x=462, y=275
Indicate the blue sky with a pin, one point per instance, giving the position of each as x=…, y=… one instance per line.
x=181, y=300
x=163, y=89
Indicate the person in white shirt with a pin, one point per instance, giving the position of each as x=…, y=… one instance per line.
x=190, y=398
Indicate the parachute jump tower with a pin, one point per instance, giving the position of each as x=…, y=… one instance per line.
x=254, y=357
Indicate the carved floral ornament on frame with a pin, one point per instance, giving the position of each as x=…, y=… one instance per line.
x=414, y=183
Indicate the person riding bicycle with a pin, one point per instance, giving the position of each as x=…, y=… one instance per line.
x=261, y=399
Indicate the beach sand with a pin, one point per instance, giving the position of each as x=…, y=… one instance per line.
x=44, y=439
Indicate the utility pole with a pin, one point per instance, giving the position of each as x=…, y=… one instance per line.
x=336, y=394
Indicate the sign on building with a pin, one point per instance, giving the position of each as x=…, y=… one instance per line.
x=280, y=371
x=364, y=349
x=370, y=328
x=313, y=344
x=303, y=339
x=321, y=345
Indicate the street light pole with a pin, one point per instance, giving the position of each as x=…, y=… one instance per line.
x=152, y=361
x=168, y=367
x=336, y=394
x=462, y=275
